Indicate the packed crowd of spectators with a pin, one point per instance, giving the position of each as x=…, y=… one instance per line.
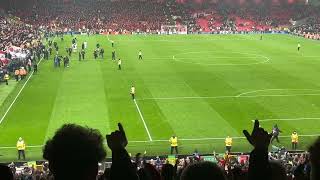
x=252, y=17
x=148, y=16
x=20, y=44
x=100, y=16
x=75, y=152
x=16, y=33
x=309, y=29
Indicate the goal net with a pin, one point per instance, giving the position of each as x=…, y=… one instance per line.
x=176, y=29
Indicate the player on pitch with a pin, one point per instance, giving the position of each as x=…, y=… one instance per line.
x=133, y=92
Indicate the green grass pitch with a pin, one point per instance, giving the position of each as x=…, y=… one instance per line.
x=199, y=87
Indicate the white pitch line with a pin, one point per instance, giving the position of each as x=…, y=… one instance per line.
x=144, y=123
x=222, y=97
x=14, y=100
x=288, y=119
x=13, y=147
x=263, y=90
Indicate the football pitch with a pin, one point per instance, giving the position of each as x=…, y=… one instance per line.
x=201, y=88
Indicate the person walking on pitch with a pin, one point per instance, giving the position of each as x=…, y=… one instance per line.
x=16, y=74
x=83, y=52
x=119, y=64
x=35, y=68
x=6, y=78
x=133, y=92
x=275, y=133
x=113, y=55
x=140, y=55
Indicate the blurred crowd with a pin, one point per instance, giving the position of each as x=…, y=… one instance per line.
x=20, y=47
x=149, y=16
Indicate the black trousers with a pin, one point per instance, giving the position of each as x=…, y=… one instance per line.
x=7, y=82
x=174, y=148
x=294, y=146
x=132, y=95
x=113, y=57
x=21, y=153
x=275, y=138
x=298, y=48
x=119, y=67
x=228, y=148
x=17, y=77
x=140, y=57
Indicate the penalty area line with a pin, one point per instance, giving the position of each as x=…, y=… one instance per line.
x=143, y=121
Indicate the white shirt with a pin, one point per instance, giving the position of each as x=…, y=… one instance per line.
x=133, y=90
x=119, y=62
x=299, y=45
x=140, y=53
x=85, y=45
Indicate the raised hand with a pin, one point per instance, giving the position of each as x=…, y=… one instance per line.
x=259, y=138
x=124, y=139
x=117, y=139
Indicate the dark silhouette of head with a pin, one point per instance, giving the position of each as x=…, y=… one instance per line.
x=203, y=171
x=74, y=152
x=167, y=172
x=278, y=171
x=5, y=172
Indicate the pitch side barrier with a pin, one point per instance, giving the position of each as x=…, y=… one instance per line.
x=242, y=32
x=197, y=32
x=206, y=157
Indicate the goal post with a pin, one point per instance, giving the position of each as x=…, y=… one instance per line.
x=174, y=29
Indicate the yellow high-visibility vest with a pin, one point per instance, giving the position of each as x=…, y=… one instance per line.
x=173, y=141
x=21, y=145
x=294, y=138
x=228, y=141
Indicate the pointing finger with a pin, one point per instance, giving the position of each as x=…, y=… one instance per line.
x=256, y=125
x=120, y=128
x=247, y=135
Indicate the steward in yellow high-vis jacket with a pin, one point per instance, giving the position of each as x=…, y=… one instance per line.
x=21, y=146
x=174, y=144
x=294, y=140
x=228, y=142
